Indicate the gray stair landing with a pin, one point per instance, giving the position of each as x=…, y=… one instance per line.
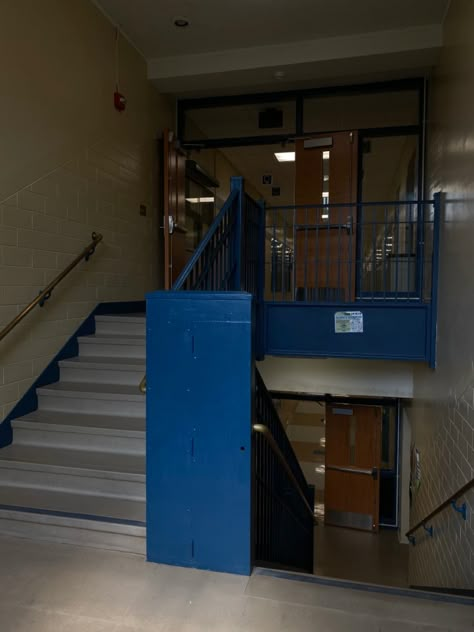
x=75, y=472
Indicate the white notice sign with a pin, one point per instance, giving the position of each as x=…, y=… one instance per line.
x=349, y=323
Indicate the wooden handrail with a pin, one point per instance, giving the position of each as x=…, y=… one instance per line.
x=45, y=294
x=461, y=491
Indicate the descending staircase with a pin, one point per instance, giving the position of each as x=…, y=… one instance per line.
x=75, y=472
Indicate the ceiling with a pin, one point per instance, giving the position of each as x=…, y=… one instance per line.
x=234, y=46
x=217, y=25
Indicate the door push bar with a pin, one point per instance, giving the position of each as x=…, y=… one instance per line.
x=373, y=472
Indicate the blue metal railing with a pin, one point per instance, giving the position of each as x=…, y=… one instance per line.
x=283, y=501
x=229, y=257
x=343, y=253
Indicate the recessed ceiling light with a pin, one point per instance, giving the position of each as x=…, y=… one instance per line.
x=285, y=156
x=181, y=23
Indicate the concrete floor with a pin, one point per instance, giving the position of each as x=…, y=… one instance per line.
x=56, y=588
x=360, y=556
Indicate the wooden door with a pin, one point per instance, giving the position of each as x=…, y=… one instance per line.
x=352, y=472
x=326, y=173
x=174, y=209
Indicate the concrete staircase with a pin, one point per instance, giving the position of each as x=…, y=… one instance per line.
x=75, y=472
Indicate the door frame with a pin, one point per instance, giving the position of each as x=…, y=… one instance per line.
x=393, y=402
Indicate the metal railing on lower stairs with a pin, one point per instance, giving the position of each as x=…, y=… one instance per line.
x=283, y=502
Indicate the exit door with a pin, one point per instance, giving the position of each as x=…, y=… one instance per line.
x=174, y=209
x=326, y=173
x=352, y=472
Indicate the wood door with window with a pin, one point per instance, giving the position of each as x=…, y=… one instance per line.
x=174, y=209
x=352, y=471
x=326, y=173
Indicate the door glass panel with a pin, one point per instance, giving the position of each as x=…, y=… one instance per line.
x=200, y=203
x=389, y=437
x=325, y=183
x=352, y=440
x=389, y=233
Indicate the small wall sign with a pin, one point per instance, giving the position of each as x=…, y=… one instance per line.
x=349, y=323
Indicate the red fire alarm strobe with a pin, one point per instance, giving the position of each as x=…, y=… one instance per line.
x=120, y=101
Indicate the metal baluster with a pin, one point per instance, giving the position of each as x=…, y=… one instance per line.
x=294, y=253
x=328, y=239
x=339, y=253
x=349, y=264
x=397, y=248
x=386, y=258
x=306, y=256
x=409, y=225
x=283, y=259
x=374, y=253
x=272, y=255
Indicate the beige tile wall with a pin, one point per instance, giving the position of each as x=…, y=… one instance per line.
x=69, y=165
x=442, y=417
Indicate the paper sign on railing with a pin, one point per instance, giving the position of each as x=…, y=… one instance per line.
x=349, y=323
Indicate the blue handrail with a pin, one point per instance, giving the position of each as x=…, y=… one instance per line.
x=186, y=272
x=230, y=257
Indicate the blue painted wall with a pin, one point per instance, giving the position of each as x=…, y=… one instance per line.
x=200, y=368
x=392, y=332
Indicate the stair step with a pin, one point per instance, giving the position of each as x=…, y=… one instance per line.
x=85, y=420
x=112, y=346
x=85, y=397
x=78, y=471
x=93, y=521
x=118, y=509
x=127, y=324
x=104, y=535
x=115, y=370
x=29, y=431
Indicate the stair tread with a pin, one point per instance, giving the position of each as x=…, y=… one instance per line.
x=117, y=363
x=117, y=339
x=112, y=462
x=84, y=422
x=137, y=317
x=95, y=390
x=79, y=504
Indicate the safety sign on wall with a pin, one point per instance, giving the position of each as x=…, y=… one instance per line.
x=349, y=323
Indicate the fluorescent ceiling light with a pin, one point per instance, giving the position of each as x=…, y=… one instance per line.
x=200, y=200
x=326, y=155
x=285, y=156
x=324, y=216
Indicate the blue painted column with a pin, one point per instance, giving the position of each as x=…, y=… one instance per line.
x=199, y=415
